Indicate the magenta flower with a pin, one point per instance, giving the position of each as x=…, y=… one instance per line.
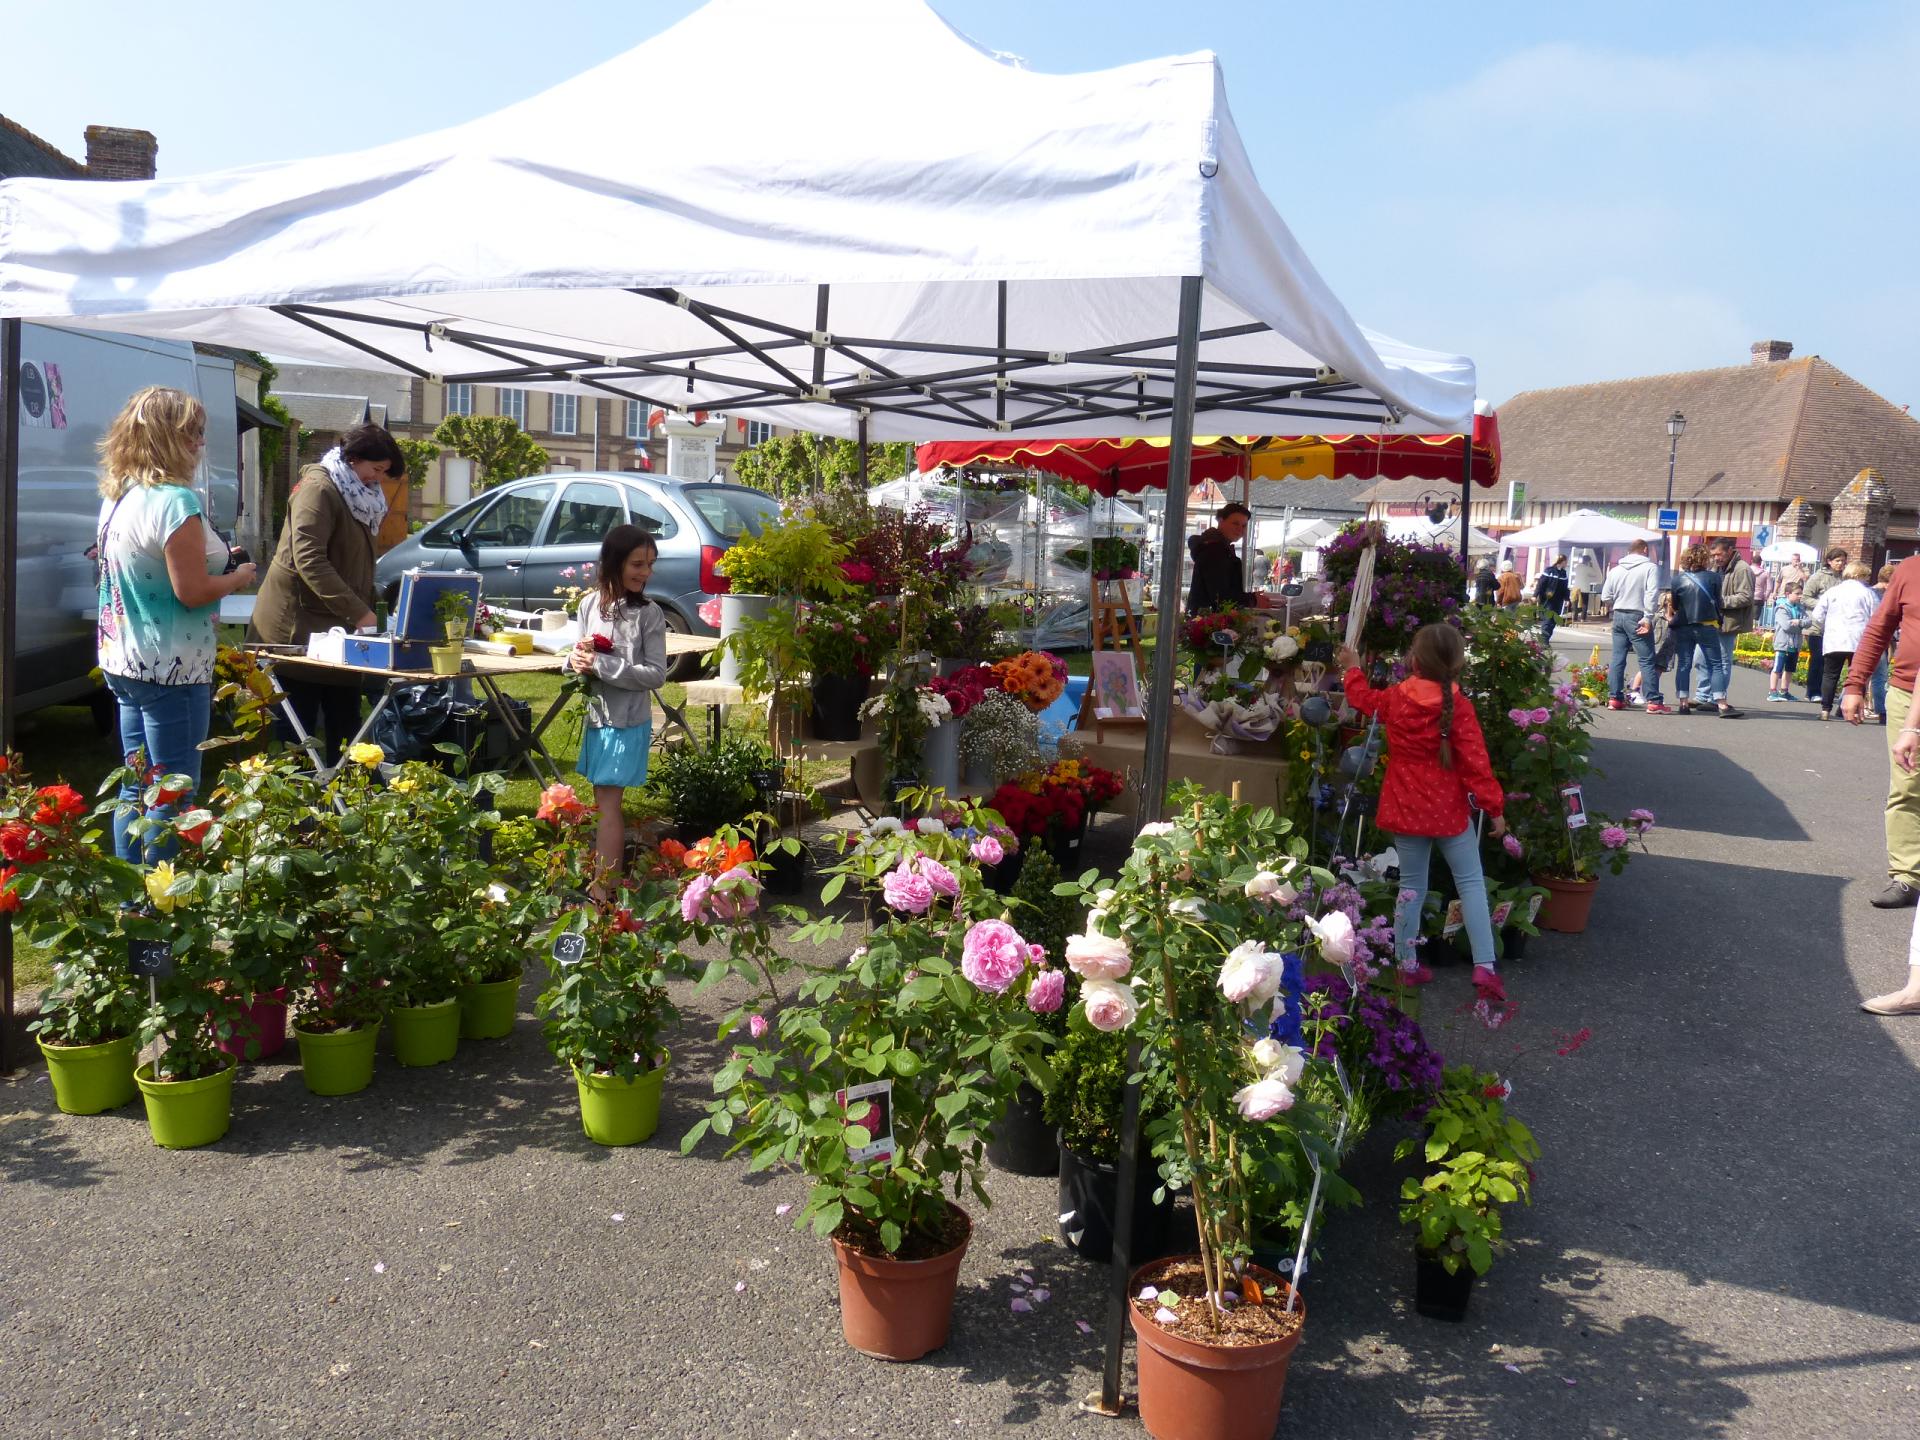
x=1641, y=820
x=907, y=890
x=757, y=1026
x=1522, y=718
x=1048, y=992
x=987, y=850
x=1541, y=715
x=1613, y=837
x=693, y=900
x=1037, y=953
x=1511, y=844
x=993, y=955
x=937, y=875
x=736, y=894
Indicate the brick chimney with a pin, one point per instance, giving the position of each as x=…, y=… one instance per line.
x=116, y=154
x=1771, y=352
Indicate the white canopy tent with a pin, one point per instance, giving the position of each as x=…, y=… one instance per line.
x=1447, y=533
x=1580, y=527
x=1064, y=254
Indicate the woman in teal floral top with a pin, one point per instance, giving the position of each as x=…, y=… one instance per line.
x=160, y=584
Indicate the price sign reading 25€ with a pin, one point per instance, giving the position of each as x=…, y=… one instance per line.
x=570, y=949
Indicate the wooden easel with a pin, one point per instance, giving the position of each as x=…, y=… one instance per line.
x=1115, y=626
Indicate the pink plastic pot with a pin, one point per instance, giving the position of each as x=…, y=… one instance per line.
x=262, y=1029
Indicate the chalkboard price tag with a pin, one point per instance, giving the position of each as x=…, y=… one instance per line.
x=150, y=958
x=570, y=949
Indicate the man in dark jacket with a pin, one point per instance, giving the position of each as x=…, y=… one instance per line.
x=1217, y=570
x=1485, y=583
x=1550, y=594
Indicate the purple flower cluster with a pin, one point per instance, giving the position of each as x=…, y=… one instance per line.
x=1385, y=1040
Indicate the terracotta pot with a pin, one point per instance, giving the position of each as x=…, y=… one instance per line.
x=1190, y=1391
x=898, y=1309
x=1567, y=905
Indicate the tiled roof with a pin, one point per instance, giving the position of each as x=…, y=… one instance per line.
x=23, y=153
x=1754, y=432
x=329, y=415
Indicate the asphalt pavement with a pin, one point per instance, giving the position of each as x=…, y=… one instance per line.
x=1719, y=1245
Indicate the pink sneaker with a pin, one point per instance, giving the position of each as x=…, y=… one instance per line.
x=1420, y=974
x=1489, y=986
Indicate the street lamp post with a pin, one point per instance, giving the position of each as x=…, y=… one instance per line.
x=1676, y=427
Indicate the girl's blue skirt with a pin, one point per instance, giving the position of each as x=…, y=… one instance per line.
x=616, y=757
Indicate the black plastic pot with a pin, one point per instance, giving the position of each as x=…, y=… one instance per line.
x=1513, y=943
x=786, y=874
x=1275, y=1253
x=1436, y=1294
x=1089, y=1192
x=1001, y=878
x=1064, y=845
x=1021, y=1142
x=836, y=705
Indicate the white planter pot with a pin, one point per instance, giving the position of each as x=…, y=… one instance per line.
x=735, y=610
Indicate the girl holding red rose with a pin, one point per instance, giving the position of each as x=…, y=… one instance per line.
x=623, y=650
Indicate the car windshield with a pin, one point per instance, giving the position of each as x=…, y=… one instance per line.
x=731, y=511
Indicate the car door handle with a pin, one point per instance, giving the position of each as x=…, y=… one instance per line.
x=515, y=564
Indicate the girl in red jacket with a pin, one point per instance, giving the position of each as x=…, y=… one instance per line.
x=1435, y=759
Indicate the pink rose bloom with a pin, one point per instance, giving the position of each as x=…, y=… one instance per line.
x=908, y=891
x=1098, y=957
x=1264, y=1099
x=1542, y=715
x=693, y=899
x=937, y=875
x=1522, y=718
x=1109, y=1005
x=757, y=1026
x=993, y=956
x=1335, y=934
x=1038, y=954
x=1048, y=992
x=736, y=894
x=1613, y=837
x=987, y=850
x=1511, y=845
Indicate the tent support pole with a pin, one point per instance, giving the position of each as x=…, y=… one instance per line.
x=863, y=452
x=9, y=576
x=1466, y=499
x=1153, y=790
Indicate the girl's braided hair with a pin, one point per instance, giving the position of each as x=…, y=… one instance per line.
x=1439, y=654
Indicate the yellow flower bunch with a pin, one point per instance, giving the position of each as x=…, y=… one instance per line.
x=159, y=881
x=366, y=753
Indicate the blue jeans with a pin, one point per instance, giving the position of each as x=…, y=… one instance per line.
x=1462, y=854
x=167, y=723
x=1624, y=638
x=1713, y=659
x=1726, y=654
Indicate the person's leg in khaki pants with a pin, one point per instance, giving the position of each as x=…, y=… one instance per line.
x=1903, y=799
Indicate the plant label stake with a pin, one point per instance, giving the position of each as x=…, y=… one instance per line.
x=877, y=1121
x=151, y=958
x=570, y=949
x=1576, y=807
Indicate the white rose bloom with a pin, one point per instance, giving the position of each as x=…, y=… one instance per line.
x=497, y=893
x=1098, y=957
x=1188, y=905
x=1158, y=827
x=932, y=827
x=1267, y=1054
x=1104, y=897
x=1251, y=974
x=1270, y=889
x=1289, y=1065
x=885, y=825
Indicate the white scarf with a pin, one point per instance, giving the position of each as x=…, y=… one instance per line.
x=368, y=503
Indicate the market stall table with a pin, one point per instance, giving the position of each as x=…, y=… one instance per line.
x=1260, y=768
x=484, y=670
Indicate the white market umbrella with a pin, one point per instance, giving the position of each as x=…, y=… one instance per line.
x=1447, y=533
x=1782, y=551
x=1582, y=527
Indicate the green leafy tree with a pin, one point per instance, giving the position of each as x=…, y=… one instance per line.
x=420, y=457
x=790, y=465
x=499, y=449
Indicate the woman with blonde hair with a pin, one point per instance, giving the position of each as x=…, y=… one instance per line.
x=163, y=572
x=1842, y=616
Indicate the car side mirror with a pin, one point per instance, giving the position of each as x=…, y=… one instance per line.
x=467, y=548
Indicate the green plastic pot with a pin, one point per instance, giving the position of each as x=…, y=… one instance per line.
x=426, y=1034
x=487, y=1009
x=337, y=1062
x=89, y=1079
x=184, y=1114
x=620, y=1112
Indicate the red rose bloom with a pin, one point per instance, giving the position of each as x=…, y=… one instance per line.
x=9, y=902
x=196, y=832
x=59, y=803
x=19, y=842
x=602, y=645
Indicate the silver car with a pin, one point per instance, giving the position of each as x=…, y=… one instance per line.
x=525, y=535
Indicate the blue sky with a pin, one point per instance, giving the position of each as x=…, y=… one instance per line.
x=1565, y=192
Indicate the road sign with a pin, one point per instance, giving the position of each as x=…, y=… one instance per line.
x=1669, y=520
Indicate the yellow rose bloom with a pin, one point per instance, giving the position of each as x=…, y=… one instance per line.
x=406, y=784
x=366, y=753
x=159, y=880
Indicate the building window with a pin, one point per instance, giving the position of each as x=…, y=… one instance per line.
x=513, y=405
x=459, y=399
x=636, y=420
x=759, y=431
x=566, y=415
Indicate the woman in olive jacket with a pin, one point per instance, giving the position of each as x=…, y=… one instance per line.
x=322, y=573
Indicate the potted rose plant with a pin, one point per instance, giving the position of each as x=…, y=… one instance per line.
x=841, y=647
x=68, y=894
x=1184, y=952
x=880, y=1077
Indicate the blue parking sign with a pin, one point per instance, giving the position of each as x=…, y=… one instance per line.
x=1669, y=520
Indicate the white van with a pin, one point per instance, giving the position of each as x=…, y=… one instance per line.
x=72, y=385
